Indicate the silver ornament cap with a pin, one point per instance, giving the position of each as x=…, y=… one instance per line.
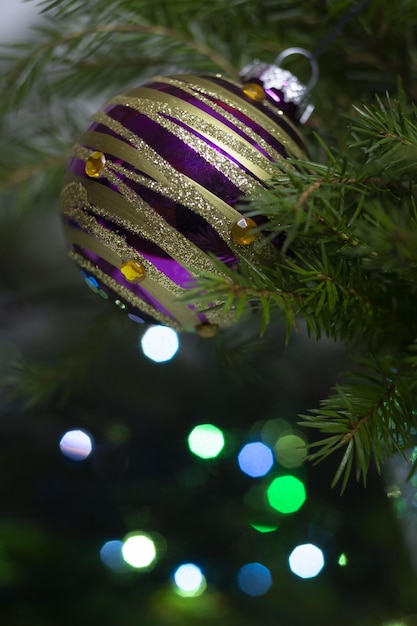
x=282, y=87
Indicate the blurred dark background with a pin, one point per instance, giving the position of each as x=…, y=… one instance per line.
x=83, y=367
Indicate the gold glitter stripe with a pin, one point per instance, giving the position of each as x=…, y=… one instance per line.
x=221, y=163
x=116, y=245
x=130, y=154
x=124, y=293
x=260, y=141
x=168, y=300
x=143, y=156
x=258, y=252
x=152, y=103
x=239, y=100
x=85, y=240
x=198, y=85
x=138, y=218
x=206, y=205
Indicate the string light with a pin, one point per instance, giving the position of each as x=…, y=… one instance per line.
x=286, y=494
x=189, y=580
x=206, y=441
x=139, y=550
x=255, y=459
x=111, y=555
x=306, y=560
x=160, y=343
x=76, y=445
x=254, y=579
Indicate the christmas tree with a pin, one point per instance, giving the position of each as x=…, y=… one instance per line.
x=264, y=473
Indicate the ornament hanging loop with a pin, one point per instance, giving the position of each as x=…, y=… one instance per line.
x=281, y=86
x=308, y=55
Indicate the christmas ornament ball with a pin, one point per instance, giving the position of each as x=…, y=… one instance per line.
x=154, y=188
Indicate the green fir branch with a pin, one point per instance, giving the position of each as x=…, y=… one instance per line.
x=35, y=384
x=64, y=50
x=369, y=417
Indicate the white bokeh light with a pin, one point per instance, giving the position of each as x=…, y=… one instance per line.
x=139, y=550
x=160, y=343
x=76, y=445
x=189, y=580
x=306, y=560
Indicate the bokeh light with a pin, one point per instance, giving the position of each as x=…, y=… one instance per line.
x=272, y=429
x=342, y=561
x=160, y=343
x=264, y=528
x=306, y=560
x=254, y=579
x=206, y=441
x=290, y=450
x=139, y=550
x=76, y=445
x=189, y=580
x=255, y=459
x=286, y=494
x=111, y=555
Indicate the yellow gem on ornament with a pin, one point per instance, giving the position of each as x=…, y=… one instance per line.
x=254, y=91
x=242, y=231
x=133, y=271
x=206, y=330
x=94, y=165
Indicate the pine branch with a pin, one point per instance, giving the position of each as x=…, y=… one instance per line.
x=40, y=383
x=370, y=417
x=59, y=49
x=346, y=226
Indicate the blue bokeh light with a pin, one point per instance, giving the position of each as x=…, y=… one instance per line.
x=254, y=579
x=111, y=555
x=256, y=459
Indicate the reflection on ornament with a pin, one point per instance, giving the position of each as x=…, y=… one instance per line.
x=158, y=179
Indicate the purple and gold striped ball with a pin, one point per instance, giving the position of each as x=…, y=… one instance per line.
x=154, y=190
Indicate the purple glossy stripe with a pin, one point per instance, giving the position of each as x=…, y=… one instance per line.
x=77, y=167
x=183, y=95
x=212, y=145
x=287, y=108
x=194, y=227
x=177, y=153
x=241, y=117
x=185, y=221
x=116, y=274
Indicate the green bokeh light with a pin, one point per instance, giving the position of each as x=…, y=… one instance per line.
x=206, y=441
x=286, y=494
x=290, y=450
x=264, y=528
x=342, y=560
